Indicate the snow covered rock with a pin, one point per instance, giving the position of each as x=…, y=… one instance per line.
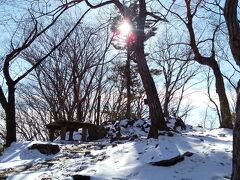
x=126, y=129
x=177, y=124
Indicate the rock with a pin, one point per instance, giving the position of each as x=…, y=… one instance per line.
x=87, y=153
x=96, y=132
x=101, y=157
x=133, y=137
x=114, y=145
x=47, y=149
x=222, y=135
x=81, y=177
x=131, y=122
x=124, y=123
x=172, y=161
x=179, y=123
x=170, y=134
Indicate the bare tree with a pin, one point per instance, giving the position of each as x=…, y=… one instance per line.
x=115, y=95
x=176, y=68
x=68, y=78
x=32, y=114
x=211, y=99
x=8, y=101
x=196, y=42
x=231, y=16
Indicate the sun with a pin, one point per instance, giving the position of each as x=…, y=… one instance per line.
x=125, y=28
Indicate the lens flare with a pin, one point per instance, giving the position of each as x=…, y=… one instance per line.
x=125, y=28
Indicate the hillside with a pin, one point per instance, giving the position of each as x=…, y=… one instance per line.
x=210, y=156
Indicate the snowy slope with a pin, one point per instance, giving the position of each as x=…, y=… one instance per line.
x=212, y=153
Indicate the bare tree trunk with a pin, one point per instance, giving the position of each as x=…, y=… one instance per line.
x=156, y=113
x=220, y=88
x=128, y=85
x=236, y=141
x=98, y=110
x=79, y=112
x=211, y=99
x=166, y=104
x=10, y=116
x=230, y=13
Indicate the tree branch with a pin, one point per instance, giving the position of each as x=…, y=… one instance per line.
x=53, y=49
x=156, y=17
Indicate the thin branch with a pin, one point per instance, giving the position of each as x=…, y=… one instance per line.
x=52, y=50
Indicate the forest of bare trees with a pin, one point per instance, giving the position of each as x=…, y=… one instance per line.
x=61, y=61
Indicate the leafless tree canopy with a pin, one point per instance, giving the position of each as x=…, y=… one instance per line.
x=59, y=62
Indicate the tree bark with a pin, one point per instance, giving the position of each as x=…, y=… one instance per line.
x=230, y=14
x=128, y=85
x=156, y=114
x=166, y=104
x=98, y=110
x=220, y=88
x=10, y=116
x=236, y=141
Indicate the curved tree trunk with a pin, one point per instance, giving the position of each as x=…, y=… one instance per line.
x=156, y=114
x=157, y=118
x=230, y=13
x=212, y=63
x=220, y=89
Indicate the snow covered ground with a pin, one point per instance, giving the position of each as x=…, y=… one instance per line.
x=122, y=160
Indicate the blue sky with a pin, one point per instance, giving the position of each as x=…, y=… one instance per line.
x=198, y=98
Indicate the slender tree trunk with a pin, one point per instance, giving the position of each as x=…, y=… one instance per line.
x=224, y=105
x=155, y=108
x=128, y=85
x=165, y=105
x=79, y=113
x=10, y=116
x=156, y=114
x=230, y=13
x=98, y=110
x=226, y=121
